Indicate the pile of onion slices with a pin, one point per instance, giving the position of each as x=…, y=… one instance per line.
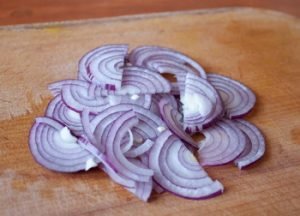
x=124, y=117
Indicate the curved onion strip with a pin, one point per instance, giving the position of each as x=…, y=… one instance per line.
x=143, y=189
x=91, y=88
x=97, y=130
x=223, y=143
x=79, y=97
x=257, y=144
x=56, y=87
x=139, y=150
x=51, y=151
x=140, y=80
x=145, y=160
x=104, y=165
x=165, y=60
x=141, y=133
x=148, y=124
x=59, y=111
x=171, y=117
x=201, y=104
x=162, y=59
x=189, y=183
x=85, y=118
x=147, y=127
x=103, y=65
x=127, y=142
x=155, y=102
x=114, y=153
x=238, y=99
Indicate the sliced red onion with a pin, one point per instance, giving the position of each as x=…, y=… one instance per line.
x=55, y=148
x=145, y=160
x=79, y=95
x=238, y=99
x=178, y=171
x=59, y=111
x=149, y=125
x=114, y=153
x=162, y=59
x=223, y=143
x=155, y=101
x=56, y=87
x=116, y=108
x=89, y=133
x=139, y=150
x=97, y=130
x=143, y=189
x=82, y=95
x=104, y=66
x=165, y=60
x=201, y=103
x=90, y=89
x=140, y=80
x=256, y=145
x=172, y=118
x=127, y=142
x=104, y=165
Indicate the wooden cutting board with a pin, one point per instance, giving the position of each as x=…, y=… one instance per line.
x=259, y=48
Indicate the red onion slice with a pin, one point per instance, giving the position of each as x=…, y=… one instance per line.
x=223, y=143
x=127, y=142
x=79, y=97
x=201, y=103
x=104, y=65
x=140, y=80
x=114, y=153
x=104, y=165
x=59, y=111
x=145, y=160
x=172, y=118
x=143, y=189
x=178, y=171
x=155, y=102
x=238, y=99
x=139, y=150
x=256, y=147
x=54, y=151
x=89, y=132
x=162, y=59
x=165, y=60
x=56, y=87
x=97, y=130
x=90, y=89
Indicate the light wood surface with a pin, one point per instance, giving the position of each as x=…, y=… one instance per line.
x=259, y=48
x=33, y=11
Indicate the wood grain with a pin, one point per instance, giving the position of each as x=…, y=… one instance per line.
x=32, y=11
x=259, y=48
